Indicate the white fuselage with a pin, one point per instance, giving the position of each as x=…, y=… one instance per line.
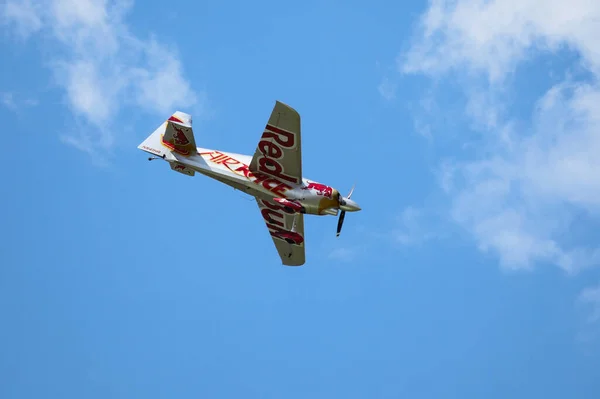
x=233, y=169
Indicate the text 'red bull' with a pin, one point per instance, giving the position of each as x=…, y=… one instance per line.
x=271, y=147
x=274, y=216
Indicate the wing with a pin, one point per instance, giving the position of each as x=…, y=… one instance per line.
x=287, y=232
x=279, y=151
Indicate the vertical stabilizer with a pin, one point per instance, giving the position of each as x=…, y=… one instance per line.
x=175, y=134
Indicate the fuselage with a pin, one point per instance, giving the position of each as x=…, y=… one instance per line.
x=232, y=169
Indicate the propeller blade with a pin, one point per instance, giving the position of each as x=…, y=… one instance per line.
x=351, y=191
x=340, y=223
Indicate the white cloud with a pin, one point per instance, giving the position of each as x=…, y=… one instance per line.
x=523, y=193
x=387, y=89
x=413, y=227
x=494, y=36
x=522, y=200
x=343, y=254
x=23, y=15
x=8, y=100
x=102, y=66
x=591, y=296
x=12, y=101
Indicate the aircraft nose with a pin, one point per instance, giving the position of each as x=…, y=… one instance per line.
x=350, y=206
x=355, y=206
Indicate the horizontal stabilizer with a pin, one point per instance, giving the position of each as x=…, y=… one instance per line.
x=181, y=168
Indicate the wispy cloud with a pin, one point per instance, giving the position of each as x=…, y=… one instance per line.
x=588, y=302
x=387, y=89
x=103, y=67
x=493, y=37
x=414, y=228
x=7, y=100
x=23, y=16
x=526, y=189
x=12, y=101
x=343, y=254
x=591, y=297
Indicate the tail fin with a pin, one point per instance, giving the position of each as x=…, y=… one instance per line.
x=174, y=135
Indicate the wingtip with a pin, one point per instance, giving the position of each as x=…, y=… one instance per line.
x=287, y=107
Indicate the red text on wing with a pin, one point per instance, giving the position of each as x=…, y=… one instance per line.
x=271, y=147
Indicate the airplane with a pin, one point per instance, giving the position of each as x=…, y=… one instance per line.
x=273, y=175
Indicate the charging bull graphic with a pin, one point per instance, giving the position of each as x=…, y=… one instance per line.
x=175, y=139
x=321, y=189
x=179, y=137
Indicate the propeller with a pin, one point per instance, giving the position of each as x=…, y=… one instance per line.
x=342, y=202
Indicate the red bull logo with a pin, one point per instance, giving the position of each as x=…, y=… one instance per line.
x=179, y=137
x=180, y=167
x=321, y=189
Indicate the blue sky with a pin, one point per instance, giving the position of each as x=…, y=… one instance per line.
x=470, y=129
